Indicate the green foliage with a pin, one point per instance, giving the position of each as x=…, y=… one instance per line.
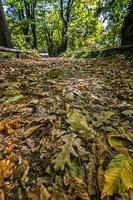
x=91, y=24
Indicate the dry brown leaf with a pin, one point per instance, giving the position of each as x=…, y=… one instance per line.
x=39, y=193
x=34, y=194
x=30, y=130
x=79, y=186
x=91, y=171
x=19, y=172
x=2, y=195
x=100, y=178
x=9, y=145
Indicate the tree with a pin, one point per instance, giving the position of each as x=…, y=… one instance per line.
x=112, y=13
x=84, y=27
x=127, y=27
x=5, y=36
x=65, y=8
x=22, y=14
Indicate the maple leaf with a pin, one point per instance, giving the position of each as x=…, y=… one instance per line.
x=63, y=157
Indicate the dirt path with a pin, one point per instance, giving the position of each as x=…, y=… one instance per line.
x=62, y=123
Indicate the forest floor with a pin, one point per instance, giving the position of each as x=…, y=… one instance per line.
x=64, y=124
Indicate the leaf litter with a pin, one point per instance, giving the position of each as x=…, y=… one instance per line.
x=66, y=129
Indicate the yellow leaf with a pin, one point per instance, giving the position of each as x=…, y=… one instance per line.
x=118, y=176
x=44, y=194
x=30, y=130
x=120, y=141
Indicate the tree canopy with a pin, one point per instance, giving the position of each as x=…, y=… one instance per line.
x=59, y=25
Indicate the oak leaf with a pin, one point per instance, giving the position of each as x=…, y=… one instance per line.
x=79, y=123
x=67, y=149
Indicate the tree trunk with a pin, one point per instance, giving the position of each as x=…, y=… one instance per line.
x=127, y=28
x=26, y=34
x=25, y=28
x=5, y=36
x=63, y=46
x=33, y=28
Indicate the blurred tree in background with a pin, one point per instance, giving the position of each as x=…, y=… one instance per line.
x=59, y=25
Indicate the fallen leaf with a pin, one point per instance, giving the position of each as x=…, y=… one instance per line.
x=79, y=123
x=78, y=185
x=2, y=195
x=31, y=130
x=128, y=115
x=20, y=170
x=63, y=157
x=8, y=125
x=102, y=118
x=44, y=194
x=6, y=169
x=39, y=193
x=127, y=112
x=120, y=141
x=13, y=99
x=118, y=176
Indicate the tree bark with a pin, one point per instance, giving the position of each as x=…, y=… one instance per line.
x=5, y=36
x=33, y=24
x=33, y=28
x=63, y=46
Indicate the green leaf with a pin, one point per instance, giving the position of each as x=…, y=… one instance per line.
x=118, y=176
x=127, y=112
x=15, y=98
x=76, y=169
x=10, y=85
x=79, y=123
x=63, y=157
